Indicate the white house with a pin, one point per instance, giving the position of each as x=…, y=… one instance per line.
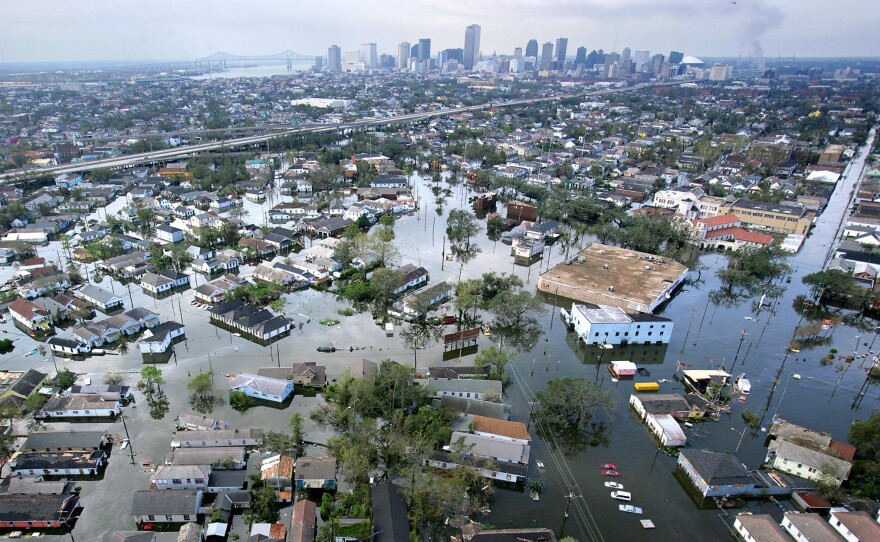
x=30, y=315
x=855, y=526
x=59, y=463
x=166, y=506
x=759, y=528
x=469, y=388
x=100, y=298
x=263, y=387
x=182, y=477
x=156, y=284
x=79, y=406
x=168, y=234
x=604, y=324
x=214, y=439
x=808, y=527
x=158, y=339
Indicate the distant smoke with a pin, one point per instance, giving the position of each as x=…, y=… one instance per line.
x=760, y=18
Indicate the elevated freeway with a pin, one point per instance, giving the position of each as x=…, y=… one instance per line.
x=184, y=151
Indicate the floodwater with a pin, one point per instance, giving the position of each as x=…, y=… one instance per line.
x=821, y=398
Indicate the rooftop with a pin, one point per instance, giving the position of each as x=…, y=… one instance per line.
x=762, y=528
x=613, y=276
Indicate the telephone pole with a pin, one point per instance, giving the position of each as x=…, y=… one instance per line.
x=742, y=337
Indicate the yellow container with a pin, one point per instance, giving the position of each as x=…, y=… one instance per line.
x=646, y=386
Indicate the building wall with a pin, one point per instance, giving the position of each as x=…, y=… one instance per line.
x=776, y=222
x=742, y=531
x=798, y=469
x=171, y=518
x=183, y=483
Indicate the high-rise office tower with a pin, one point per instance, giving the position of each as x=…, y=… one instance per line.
x=547, y=56
x=414, y=52
x=625, y=55
x=369, y=56
x=518, y=53
x=425, y=49
x=403, y=55
x=657, y=63
x=532, y=48
x=580, y=58
x=640, y=59
x=471, y=46
x=334, y=59
x=675, y=57
x=561, y=50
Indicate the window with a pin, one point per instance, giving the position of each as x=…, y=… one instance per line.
x=168, y=517
x=661, y=333
x=175, y=481
x=151, y=518
x=617, y=334
x=650, y=333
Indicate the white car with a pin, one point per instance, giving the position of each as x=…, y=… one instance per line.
x=621, y=495
x=614, y=485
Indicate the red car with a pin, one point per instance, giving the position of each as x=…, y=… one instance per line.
x=612, y=473
x=609, y=466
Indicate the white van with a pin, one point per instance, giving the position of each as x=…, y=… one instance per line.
x=621, y=495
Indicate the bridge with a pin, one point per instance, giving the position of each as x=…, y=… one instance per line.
x=288, y=57
x=167, y=155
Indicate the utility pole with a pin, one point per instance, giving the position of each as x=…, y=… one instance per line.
x=443, y=254
x=742, y=337
x=130, y=447
x=691, y=321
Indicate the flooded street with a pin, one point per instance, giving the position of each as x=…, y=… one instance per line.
x=822, y=398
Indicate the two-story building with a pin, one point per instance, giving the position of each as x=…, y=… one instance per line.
x=605, y=324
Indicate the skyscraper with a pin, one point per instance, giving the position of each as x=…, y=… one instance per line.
x=518, y=53
x=625, y=55
x=403, y=55
x=471, y=46
x=334, y=59
x=561, y=50
x=532, y=48
x=370, y=56
x=547, y=56
x=580, y=58
x=675, y=57
x=425, y=49
x=640, y=59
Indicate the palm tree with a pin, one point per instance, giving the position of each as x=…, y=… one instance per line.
x=123, y=346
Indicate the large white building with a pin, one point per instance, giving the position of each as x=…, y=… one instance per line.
x=691, y=203
x=604, y=324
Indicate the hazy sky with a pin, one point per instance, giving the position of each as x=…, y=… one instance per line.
x=61, y=30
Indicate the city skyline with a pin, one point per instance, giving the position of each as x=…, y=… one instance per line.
x=162, y=30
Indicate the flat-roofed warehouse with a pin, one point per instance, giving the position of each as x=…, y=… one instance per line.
x=607, y=275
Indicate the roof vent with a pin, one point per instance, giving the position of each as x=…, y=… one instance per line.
x=604, y=266
x=647, y=268
x=611, y=288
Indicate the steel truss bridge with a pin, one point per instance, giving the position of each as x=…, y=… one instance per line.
x=288, y=57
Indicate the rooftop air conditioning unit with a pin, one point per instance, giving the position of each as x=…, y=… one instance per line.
x=611, y=288
x=604, y=266
x=647, y=268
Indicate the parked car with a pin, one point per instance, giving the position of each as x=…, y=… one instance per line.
x=612, y=473
x=614, y=485
x=621, y=495
x=609, y=466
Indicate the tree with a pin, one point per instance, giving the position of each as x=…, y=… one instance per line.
x=418, y=334
x=831, y=284
x=263, y=505
x=113, y=379
x=151, y=380
x=297, y=437
x=201, y=389
x=515, y=319
x=65, y=378
x=7, y=447
x=382, y=285
x=34, y=402
x=461, y=227
x=239, y=400
x=495, y=359
x=494, y=228
x=568, y=404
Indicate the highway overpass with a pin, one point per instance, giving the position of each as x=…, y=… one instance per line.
x=183, y=151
